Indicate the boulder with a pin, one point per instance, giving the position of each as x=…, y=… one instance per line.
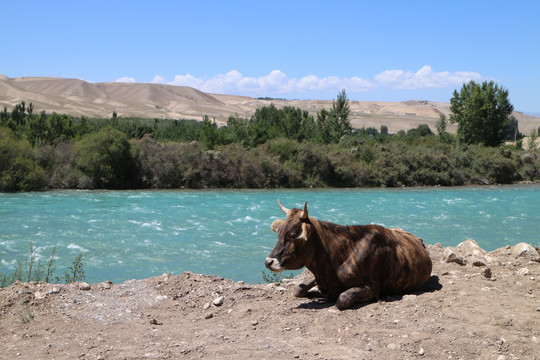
x=526, y=250
x=470, y=247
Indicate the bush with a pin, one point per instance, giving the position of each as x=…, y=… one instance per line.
x=62, y=173
x=170, y=165
x=107, y=158
x=19, y=170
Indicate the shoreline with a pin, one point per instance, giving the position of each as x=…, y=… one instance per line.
x=463, y=312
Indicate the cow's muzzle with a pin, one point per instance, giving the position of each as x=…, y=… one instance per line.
x=273, y=264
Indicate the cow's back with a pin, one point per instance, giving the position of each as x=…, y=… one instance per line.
x=394, y=259
x=410, y=267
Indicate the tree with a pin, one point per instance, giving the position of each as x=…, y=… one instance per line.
x=482, y=112
x=208, y=137
x=339, y=115
x=59, y=128
x=511, y=130
x=335, y=124
x=441, y=125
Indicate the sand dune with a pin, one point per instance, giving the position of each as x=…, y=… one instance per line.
x=77, y=97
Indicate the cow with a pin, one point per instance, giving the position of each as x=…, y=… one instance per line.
x=350, y=264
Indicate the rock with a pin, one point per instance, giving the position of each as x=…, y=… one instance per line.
x=155, y=322
x=208, y=315
x=54, y=290
x=523, y=271
x=524, y=249
x=106, y=285
x=451, y=257
x=483, y=181
x=421, y=351
x=206, y=306
x=492, y=259
x=39, y=295
x=470, y=247
x=218, y=301
x=84, y=286
x=487, y=273
x=478, y=262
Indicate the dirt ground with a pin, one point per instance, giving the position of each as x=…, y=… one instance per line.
x=463, y=312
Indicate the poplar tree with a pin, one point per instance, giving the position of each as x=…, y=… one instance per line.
x=482, y=112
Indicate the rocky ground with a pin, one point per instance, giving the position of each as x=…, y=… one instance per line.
x=477, y=305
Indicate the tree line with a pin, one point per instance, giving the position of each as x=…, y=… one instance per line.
x=274, y=148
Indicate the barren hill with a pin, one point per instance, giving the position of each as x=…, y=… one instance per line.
x=77, y=97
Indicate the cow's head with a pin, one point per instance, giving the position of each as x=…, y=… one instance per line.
x=293, y=250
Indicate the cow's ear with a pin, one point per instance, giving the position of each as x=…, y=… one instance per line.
x=276, y=225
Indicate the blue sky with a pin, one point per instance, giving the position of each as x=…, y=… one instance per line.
x=376, y=50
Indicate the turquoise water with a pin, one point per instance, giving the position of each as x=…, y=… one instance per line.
x=137, y=234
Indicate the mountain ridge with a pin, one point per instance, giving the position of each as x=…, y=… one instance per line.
x=77, y=97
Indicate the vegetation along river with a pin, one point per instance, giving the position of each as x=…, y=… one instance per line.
x=137, y=234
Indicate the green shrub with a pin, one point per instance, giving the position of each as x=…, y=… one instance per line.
x=107, y=158
x=19, y=170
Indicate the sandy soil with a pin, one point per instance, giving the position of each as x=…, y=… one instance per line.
x=488, y=308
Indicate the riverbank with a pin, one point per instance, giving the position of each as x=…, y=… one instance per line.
x=477, y=304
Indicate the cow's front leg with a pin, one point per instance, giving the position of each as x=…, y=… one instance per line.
x=302, y=288
x=357, y=295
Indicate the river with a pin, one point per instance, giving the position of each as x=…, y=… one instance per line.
x=137, y=234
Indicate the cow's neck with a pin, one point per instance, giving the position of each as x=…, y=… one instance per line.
x=322, y=265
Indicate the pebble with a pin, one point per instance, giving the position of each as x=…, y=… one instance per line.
x=38, y=295
x=218, y=301
x=206, y=306
x=155, y=322
x=487, y=273
x=453, y=258
x=421, y=351
x=478, y=262
x=208, y=315
x=84, y=286
x=106, y=285
x=523, y=271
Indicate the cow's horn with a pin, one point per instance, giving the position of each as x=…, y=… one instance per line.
x=283, y=208
x=304, y=215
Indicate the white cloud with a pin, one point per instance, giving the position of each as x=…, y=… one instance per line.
x=278, y=83
x=126, y=79
x=158, y=80
x=425, y=78
x=187, y=80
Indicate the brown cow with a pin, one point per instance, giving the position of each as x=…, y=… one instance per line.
x=350, y=264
